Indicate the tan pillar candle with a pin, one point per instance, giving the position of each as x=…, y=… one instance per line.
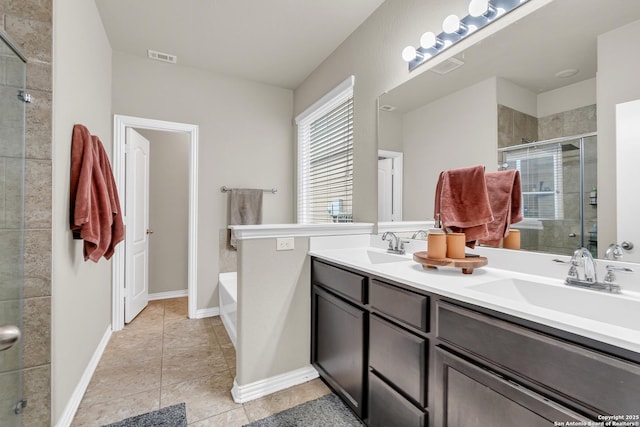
x=437, y=245
x=512, y=240
x=455, y=245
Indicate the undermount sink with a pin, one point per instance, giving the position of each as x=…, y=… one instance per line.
x=371, y=256
x=376, y=257
x=608, y=308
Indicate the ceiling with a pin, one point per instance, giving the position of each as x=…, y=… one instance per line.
x=529, y=52
x=278, y=42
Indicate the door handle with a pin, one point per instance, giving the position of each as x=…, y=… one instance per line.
x=149, y=231
x=9, y=335
x=572, y=234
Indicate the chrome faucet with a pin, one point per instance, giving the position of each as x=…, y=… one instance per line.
x=419, y=233
x=396, y=245
x=610, y=277
x=614, y=251
x=583, y=258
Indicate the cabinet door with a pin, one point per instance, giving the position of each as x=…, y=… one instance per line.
x=387, y=408
x=338, y=347
x=400, y=357
x=468, y=395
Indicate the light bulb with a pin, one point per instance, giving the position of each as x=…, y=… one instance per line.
x=451, y=24
x=409, y=53
x=478, y=7
x=429, y=40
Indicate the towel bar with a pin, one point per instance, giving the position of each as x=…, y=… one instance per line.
x=224, y=189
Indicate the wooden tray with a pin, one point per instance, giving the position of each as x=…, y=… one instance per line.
x=467, y=265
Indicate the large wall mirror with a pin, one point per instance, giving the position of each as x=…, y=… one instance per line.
x=555, y=75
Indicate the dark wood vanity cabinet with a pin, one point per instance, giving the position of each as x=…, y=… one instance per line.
x=400, y=357
x=339, y=328
x=370, y=344
x=469, y=395
x=500, y=372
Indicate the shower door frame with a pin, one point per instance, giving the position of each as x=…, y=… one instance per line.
x=22, y=95
x=580, y=138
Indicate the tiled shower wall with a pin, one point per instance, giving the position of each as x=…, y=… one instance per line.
x=514, y=125
x=29, y=24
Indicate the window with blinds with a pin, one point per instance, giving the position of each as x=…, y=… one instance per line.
x=325, y=158
x=542, y=180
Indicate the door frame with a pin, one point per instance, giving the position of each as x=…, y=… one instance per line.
x=120, y=124
x=397, y=157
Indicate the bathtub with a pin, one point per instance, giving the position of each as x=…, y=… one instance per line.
x=228, y=293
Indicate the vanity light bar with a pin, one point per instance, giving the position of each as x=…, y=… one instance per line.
x=454, y=29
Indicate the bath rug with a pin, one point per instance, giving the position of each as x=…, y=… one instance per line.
x=171, y=416
x=325, y=411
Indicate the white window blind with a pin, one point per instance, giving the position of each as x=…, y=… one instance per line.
x=542, y=180
x=325, y=158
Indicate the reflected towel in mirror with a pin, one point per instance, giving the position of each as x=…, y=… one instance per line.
x=505, y=197
x=463, y=202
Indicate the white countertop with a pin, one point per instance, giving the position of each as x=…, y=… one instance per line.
x=451, y=283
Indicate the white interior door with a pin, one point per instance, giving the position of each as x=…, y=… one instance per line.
x=628, y=176
x=137, y=229
x=385, y=189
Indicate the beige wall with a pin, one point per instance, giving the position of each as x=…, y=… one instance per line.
x=245, y=141
x=516, y=97
x=390, y=131
x=168, y=210
x=81, y=300
x=618, y=64
x=274, y=309
x=372, y=55
x=567, y=98
x=438, y=124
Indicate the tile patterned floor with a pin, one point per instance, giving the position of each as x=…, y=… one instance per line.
x=163, y=358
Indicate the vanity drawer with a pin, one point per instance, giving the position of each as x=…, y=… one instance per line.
x=344, y=282
x=606, y=384
x=400, y=357
x=402, y=305
x=387, y=408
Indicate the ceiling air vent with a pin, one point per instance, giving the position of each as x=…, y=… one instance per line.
x=159, y=56
x=447, y=66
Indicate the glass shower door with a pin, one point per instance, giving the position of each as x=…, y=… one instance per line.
x=12, y=155
x=559, y=195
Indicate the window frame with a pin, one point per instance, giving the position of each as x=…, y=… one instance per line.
x=330, y=101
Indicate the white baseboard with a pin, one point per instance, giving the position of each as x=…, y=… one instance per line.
x=169, y=294
x=245, y=393
x=207, y=312
x=76, y=397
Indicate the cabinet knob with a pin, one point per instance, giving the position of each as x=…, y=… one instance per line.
x=627, y=246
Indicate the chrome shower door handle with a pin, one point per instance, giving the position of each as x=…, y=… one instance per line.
x=9, y=335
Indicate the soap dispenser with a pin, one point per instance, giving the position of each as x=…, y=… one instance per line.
x=437, y=241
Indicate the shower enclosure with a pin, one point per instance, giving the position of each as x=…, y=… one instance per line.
x=12, y=162
x=559, y=192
